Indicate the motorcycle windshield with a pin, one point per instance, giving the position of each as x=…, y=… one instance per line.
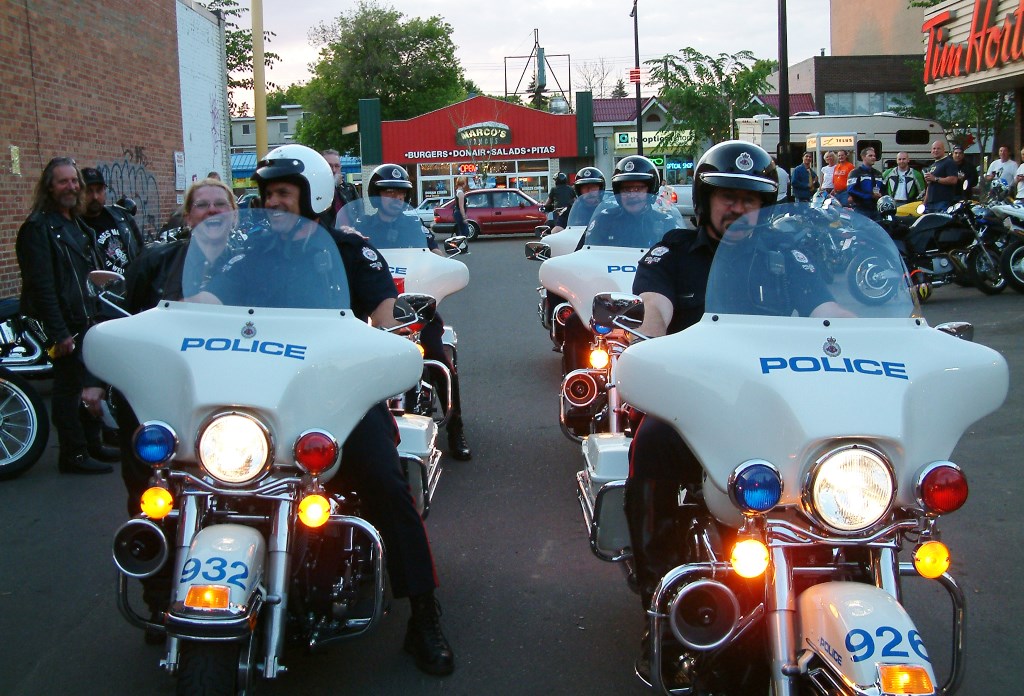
x=800, y=260
x=584, y=207
x=631, y=220
x=286, y=261
x=389, y=223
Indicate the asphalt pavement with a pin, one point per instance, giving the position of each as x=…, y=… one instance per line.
x=527, y=607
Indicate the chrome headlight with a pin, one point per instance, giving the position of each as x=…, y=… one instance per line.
x=850, y=488
x=234, y=448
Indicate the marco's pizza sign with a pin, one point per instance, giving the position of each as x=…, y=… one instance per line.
x=991, y=41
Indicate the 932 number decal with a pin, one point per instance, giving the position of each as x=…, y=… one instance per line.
x=862, y=646
x=216, y=571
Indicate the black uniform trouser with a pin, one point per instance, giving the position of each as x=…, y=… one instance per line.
x=369, y=465
x=660, y=463
x=433, y=349
x=68, y=382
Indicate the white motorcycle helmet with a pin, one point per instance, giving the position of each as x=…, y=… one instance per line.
x=303, y=167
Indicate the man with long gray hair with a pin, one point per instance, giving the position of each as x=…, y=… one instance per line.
x=56, y=251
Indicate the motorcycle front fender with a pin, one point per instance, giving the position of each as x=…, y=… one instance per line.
x=854, y=628
x=223, y=560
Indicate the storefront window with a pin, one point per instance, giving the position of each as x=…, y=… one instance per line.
x=440, y=169
x=678, y=170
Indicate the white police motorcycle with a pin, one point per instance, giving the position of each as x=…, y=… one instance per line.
x=825, y=444
x=244, y=404
x=606, y=262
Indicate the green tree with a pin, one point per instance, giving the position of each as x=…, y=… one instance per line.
x=705, y=94
x=278, y=98
x=374, y=51
x=619, y=90
x=238, y=49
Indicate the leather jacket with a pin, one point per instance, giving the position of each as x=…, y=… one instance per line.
x=55, y=256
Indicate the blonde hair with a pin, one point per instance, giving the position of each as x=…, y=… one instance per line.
x=461, y=182
x=190, y=195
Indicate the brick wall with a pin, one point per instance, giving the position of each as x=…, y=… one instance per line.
x=96, y=80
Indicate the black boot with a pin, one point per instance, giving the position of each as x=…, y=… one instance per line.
x=457, y=445
x=424, y=639
x=82, y=464
x=104, y=453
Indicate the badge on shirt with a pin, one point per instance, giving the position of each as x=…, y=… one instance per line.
x=659, y=251
x=370, y=254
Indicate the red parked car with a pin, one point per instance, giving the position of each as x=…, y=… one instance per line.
x=492, y=211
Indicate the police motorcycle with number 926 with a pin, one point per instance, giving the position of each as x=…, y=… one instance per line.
x=243, y=424
x=824, y=441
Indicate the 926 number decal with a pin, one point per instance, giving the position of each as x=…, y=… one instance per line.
x=862, y=646
x=216, y=571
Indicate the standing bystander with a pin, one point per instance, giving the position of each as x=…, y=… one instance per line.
x=903, y=183
x=55, y=253
x=803, y=180
x=839, y=176
x=942, y=177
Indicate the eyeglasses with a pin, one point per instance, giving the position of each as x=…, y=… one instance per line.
x=216, y=205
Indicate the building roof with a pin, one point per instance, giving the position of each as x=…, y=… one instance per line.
x=618, y=109
x=802, y=101
x=243, y=164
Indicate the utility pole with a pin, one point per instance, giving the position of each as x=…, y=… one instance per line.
x=259, y=80
x=636, y=49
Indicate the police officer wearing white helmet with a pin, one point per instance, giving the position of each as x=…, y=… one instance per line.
x=298, y=180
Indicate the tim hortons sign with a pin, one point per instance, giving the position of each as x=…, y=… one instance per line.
x=992, y=42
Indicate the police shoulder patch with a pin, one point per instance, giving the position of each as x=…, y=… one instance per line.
x=369, y=253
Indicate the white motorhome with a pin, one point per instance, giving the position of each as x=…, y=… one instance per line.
x=888, y=133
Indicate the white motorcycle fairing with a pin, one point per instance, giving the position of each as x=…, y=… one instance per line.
x=748, y=387
x=835, y=615
x=564, y=241
x=300, y=369
x=423, y=271
x=591, y=270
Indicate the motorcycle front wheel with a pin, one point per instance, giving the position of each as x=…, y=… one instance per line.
x=216, y=669
x=1011, y=263
x=872, y=278
x=24, y=425
x=983, y=269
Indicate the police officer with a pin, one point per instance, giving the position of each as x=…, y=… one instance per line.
x=589, y=188
x=731, y=179
x=634, y=222
x=390, y=189
x=297, y=180
x=561, y=195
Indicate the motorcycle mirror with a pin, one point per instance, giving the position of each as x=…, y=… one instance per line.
x=412, y=308
x=128, y=205
x=959, y=329
x=538, y=251
x=618, y=309
x=456, y=245
x=101, y=279
x=541, y=231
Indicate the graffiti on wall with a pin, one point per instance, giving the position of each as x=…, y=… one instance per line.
x=130, y=178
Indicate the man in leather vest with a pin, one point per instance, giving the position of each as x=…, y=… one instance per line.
x=55, y=252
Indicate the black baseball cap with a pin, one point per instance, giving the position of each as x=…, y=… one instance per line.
x=91, y=175
x=957, y=148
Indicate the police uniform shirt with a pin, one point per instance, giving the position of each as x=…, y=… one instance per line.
x=678, y=268
x=369, y=280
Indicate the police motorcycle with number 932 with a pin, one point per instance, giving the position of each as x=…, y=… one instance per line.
x=242, y=424
x=824, y=439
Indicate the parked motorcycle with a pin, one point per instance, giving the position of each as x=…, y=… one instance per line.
x=24, y=425
x=1011, y=260
x=957, y=246
x=604, y=263
x=243, y=423
x=833, y=463
x=22, y=342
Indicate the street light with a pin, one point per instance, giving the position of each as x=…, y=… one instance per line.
x=636, y=49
